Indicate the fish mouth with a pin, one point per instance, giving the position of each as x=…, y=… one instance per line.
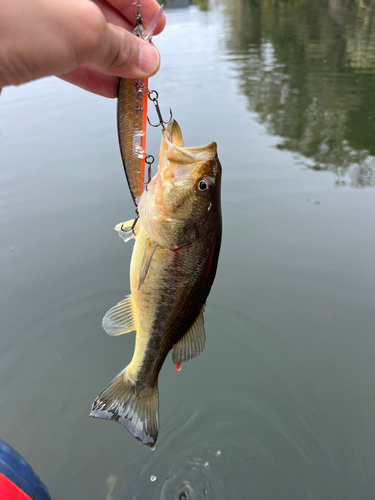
x=172, y=133
x=173, y=149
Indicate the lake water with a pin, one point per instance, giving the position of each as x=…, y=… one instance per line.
x=281, y=403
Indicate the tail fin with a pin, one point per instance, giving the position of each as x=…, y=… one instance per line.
x=137, y=410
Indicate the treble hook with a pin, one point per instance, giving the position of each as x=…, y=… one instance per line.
x=149, y=160
x=138, y=18
x=126, y=229
x=156, y=103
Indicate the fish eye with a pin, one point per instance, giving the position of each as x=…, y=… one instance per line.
x=204, y=185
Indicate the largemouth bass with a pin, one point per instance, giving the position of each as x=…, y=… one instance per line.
x=175, y=256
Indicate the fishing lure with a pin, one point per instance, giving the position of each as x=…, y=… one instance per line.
x=133, y=95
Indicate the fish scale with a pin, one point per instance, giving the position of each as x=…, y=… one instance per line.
x=165, y=315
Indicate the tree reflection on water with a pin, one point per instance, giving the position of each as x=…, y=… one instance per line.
x=308, y=71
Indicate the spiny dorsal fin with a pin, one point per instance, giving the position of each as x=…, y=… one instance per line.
x=127, y=230
x=192, y=343
x=147, y=257
x=119, y=319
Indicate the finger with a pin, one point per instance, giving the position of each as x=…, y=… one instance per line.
x=149, y=9
x=94, y=81
x=113, y=16
x=122, y=54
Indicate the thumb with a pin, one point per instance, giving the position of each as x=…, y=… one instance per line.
x=121, y=53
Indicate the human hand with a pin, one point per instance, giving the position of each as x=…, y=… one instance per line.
x=85, y=43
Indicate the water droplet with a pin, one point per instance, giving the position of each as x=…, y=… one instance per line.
x=153, y=478
x=182, y=496
x=12, y=249
x=218, y=453
x=178, y=365
x=206, y=464
x=152, y=448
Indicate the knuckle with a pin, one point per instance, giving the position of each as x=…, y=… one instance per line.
x=125, y=54
x=91, y=26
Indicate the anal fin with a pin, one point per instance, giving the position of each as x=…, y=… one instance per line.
x=191, y=344
x=119, y=319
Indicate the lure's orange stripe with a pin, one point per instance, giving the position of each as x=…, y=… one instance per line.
x=144, y=127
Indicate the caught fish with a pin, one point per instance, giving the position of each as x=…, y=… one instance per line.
x=173, y=266
x=132, y=117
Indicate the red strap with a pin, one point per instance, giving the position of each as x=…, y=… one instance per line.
x=10, y=491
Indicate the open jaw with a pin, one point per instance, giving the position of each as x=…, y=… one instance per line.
x=184, y=159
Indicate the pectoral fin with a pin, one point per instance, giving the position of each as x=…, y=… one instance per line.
x=147, y=257
x=127, y=230
x=119, y=319
x=192, y=343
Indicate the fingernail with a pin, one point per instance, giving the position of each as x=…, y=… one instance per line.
x=148, y=58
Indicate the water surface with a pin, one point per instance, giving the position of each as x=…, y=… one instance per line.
x=281, y=404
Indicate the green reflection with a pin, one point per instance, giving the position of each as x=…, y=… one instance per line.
x=180, y=4
x=307, y=69
x=202, y=4
x=175, y=4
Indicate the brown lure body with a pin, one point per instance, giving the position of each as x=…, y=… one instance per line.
x=131, y=124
